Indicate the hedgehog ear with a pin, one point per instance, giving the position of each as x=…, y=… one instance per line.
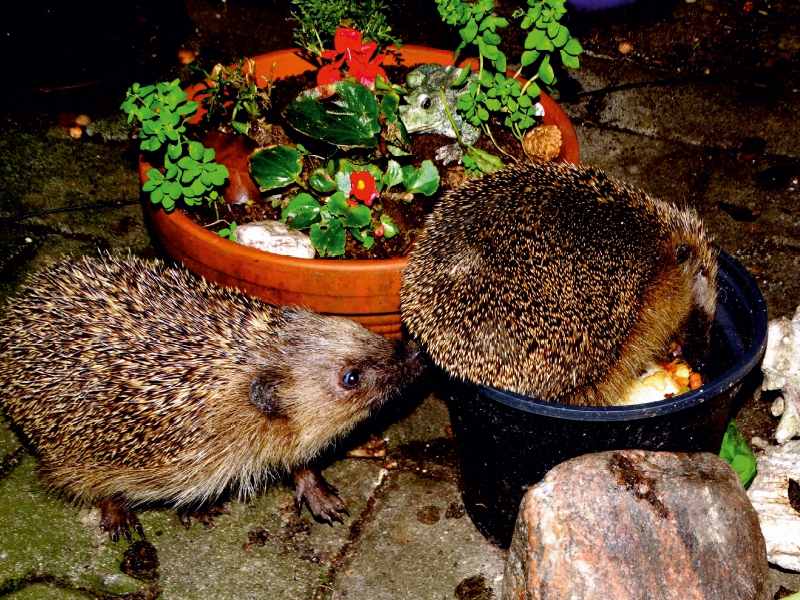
x=264, y=394
x=683, y=253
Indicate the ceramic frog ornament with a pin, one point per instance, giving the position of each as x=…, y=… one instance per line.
x=424, y=111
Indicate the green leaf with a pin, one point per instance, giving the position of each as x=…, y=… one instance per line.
x=343, y=113
x=487, y=163
x=390, y=228
x=469, y=31
x=393, y=175
x=573, y=47
x=175, y=190
x=321, y=181
x=219, y=176
x=187, y=162
x=240, y=127
x=337, y=205
x=156, y=196
x=738, y=454
x=275, y=167
x=546, y=71
x=462, y=77
x=358, y=216
x=552, y=29
x=529, y=57
x=533, y=39
x=302, y=212
x=500, y=62
x=328, y=241
x=573, y=62
x=198, y=188
x=489, y=51
x=174, y=151
x=492, y=104
x=389, y=106
x=196, y=151
x=491, y=38
x=561, y=38
x=424, y=180
x=208, y=155
x=187, y=109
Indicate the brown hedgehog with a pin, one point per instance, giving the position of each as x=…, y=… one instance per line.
x=136, y=383
x=558, y=282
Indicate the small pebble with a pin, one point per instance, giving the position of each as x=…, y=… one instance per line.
x=186, y=56
x=625, y=48
x=75, y=132
x=759, y=442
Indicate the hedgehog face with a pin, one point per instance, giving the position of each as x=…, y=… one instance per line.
x=331, y=372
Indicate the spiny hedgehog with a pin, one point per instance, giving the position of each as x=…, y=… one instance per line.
x=136, y=383
x=558, y=282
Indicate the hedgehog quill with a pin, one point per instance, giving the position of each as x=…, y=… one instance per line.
x=136, y=384
x=560, y=283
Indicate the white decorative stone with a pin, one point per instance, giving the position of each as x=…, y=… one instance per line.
x=274, y=236
x=781, y=369
x=769, y=494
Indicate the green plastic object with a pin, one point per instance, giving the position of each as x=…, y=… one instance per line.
x=738, y=454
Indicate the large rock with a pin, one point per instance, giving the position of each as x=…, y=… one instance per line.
x=775, y=495
x=634, y=524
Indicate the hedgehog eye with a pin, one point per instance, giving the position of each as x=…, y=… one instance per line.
x=351, y=379
x=426, y=102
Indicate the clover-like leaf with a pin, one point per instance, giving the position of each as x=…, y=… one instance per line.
x=275, y=167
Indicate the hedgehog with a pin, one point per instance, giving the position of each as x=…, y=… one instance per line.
x=139, y=384
x=560, y=283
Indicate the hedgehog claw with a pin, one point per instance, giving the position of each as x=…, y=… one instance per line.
x=204, y=514
x=322, y=498
x=116, y=519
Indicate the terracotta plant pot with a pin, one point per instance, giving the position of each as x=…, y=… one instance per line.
x=366, y=291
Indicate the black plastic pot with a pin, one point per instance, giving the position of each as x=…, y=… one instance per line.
x=509, y=442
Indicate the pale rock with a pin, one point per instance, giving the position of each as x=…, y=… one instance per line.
x=781, y=369
x=276, y=237
x=769, y=494
x=632, y=524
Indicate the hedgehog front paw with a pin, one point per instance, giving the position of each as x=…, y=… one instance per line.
x=116, y=518
x=322, y=498
x=204, y=514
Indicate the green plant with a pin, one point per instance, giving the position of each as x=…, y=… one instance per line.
x=189, y=169
x=232, y=94
x=319, y=20
x=495, y=91
x=354, y=111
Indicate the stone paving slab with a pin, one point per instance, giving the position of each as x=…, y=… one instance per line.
x=711, y=111
x=423, y=538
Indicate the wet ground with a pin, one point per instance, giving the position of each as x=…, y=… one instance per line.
x=703, y=110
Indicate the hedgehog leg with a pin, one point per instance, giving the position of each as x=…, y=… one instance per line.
x=116, y=518
x=204, y=514
x=322, y=498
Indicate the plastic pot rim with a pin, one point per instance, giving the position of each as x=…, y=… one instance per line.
x=730, y=378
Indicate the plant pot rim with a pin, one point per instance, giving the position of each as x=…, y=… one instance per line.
x=730, y=271
x=415, y=55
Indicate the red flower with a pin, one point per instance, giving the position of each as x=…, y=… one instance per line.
x=347, y=39
x=365, y=73
x=379, y=231
x=328, y=74
x=362, y=187
x=348, y=44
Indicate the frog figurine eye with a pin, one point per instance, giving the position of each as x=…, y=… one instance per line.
x=424, y=101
